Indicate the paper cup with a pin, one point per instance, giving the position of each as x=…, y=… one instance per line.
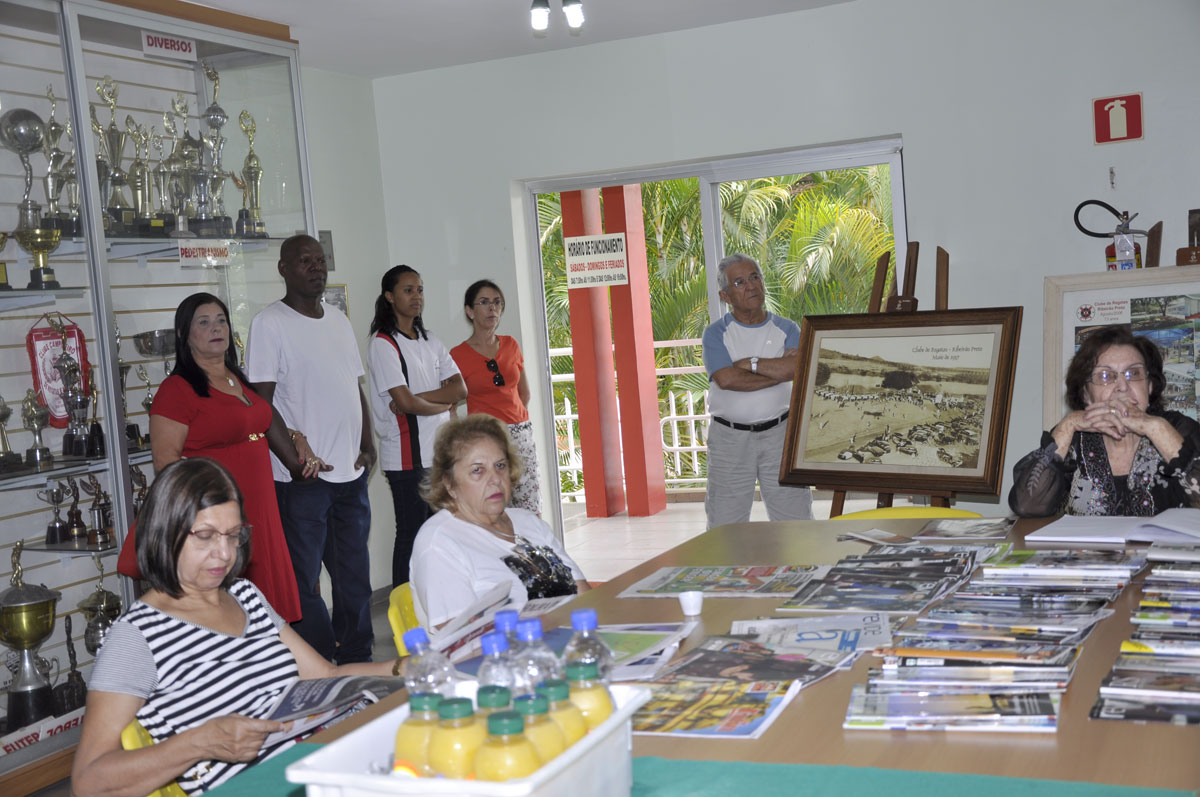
x=691, y=602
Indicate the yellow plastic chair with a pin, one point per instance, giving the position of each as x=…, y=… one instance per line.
x=909, y=512
x=135, y=736
x=401, y=615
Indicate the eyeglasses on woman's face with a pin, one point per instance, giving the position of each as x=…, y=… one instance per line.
x=497, y=377
x=498, y=303
x=1107, y=376
x=210, y=537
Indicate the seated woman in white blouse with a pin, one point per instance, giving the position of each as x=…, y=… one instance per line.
x=476, y=540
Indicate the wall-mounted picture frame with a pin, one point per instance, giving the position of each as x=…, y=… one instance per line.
x=1161, y=303
x=336, y=295
x=903, y=401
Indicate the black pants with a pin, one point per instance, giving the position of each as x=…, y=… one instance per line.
x=411, y=512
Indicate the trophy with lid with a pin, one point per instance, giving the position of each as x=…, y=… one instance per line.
x=26, y=621
x=34, y=417
x=9, y=459
x=22, y=131
x=119, y=210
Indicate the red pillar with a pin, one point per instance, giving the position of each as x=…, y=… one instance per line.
x=633, y=335
x=595, y=385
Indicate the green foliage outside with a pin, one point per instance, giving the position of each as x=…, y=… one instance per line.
x=816, y=236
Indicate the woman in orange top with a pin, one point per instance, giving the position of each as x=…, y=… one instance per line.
x=494, y=371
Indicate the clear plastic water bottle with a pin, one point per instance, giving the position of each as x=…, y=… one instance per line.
x=586, y=646
x=505, y=622
x=427, y=669
x=533, y=658
x=497, y=667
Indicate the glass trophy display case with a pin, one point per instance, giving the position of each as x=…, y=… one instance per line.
x=143, y=158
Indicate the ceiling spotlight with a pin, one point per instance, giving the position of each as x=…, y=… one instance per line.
x=574, y=12
x=539, y=14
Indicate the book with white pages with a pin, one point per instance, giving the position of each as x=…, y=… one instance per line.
x=1179, y=525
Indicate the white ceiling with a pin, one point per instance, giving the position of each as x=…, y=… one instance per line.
x=376, y=38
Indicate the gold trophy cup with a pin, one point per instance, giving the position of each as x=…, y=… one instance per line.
x=26, y=621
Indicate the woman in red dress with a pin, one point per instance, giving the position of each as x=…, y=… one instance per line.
x=206, y=408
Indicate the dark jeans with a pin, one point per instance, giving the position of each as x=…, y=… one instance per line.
x=411, y=512
x=328, y=522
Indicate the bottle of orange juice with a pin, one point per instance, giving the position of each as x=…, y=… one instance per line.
x=540, y=730
x=490, y=699
x=412, y=738
x=589, y=693
x=506, y=754
x=456, y=739
x=563, y=713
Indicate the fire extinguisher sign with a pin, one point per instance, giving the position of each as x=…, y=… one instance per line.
x=1117, y=118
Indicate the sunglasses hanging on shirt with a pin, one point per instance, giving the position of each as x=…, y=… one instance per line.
x=497, y=377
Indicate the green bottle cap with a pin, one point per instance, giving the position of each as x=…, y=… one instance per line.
x=505, y=722
x=455, y=708
x=583, y=671
x=424, y=701
x=530, y=705
x=493, y=697
x=554, y=689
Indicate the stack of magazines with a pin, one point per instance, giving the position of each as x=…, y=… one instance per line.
x=1157, y=676
x=998, y=653
x=896, y=580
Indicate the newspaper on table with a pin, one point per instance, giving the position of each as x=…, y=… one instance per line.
x=315, y=702
x=852, y=631
x=713, y=709
x=726, y=581
x=459, y=638
x=966, y=529
x=726, y=658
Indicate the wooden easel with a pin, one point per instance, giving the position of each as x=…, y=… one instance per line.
x=904, y=302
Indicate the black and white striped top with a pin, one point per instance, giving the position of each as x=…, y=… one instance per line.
x=188, y=674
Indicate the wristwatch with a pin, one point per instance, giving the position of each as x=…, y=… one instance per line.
x=754, y=365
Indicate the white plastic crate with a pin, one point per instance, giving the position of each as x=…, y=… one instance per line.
x=359, y=764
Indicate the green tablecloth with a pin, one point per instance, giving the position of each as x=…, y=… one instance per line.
x=664, y=777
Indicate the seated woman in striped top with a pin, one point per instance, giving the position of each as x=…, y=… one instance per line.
x=200, y=657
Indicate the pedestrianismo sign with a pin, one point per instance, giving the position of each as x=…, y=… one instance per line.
x=596, y=260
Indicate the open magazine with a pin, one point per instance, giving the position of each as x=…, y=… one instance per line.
x=459, y=638
x=315, y=702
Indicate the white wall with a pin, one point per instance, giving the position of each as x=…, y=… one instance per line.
x=992, y=100
x=343, y=155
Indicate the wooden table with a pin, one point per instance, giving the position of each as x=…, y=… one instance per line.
x=810, y=729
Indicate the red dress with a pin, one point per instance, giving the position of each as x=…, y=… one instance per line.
x=220, y=428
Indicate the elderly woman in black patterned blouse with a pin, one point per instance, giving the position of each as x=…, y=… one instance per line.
x=1118, y=451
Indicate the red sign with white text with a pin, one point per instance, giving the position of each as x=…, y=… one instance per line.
x=1117, y=118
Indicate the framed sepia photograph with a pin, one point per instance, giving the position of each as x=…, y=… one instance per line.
x=1161, y=303
x=896, y=401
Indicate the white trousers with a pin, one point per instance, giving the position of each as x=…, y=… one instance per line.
x=736, y=460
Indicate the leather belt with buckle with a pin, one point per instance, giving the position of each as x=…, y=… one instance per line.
x=751, y=427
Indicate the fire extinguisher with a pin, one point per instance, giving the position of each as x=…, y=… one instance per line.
x=1124, y=253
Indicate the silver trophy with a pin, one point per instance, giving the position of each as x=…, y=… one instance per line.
x=56, y=160
x=114, y=148
x=34, y=417
x=185, y=152
x=214, y=117
x=75, y=395
x=100, y=535
x=70, y=174
x=56, y=530
x=9, y=459
x=139, y=170
x=101, y=609
x=23, y=132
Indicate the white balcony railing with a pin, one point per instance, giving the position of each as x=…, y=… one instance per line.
x=683, y=424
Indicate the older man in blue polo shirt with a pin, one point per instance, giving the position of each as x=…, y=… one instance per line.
x=750, y=357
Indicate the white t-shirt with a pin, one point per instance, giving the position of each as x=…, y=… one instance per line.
x=315, y=365
x=726, y=341
x=455, y=562
x=426, y=364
